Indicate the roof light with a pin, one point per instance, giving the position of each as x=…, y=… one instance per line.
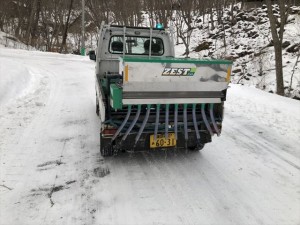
x=159, y=26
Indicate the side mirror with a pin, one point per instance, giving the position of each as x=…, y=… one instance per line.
x=92, y=55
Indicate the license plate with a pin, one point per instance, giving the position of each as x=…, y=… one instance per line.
x=162, y=141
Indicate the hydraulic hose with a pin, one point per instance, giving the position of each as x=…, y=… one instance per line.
x=195, y=122
x=133, y=122
x=167, y=121
x=212, y=117
x=156, y=120
x=143, y=124
x=205, y=120
x=175, y=120
x=185, y=122
x=123, y=124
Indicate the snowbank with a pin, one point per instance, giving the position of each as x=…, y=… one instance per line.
x=15, y=80
x=280, y=114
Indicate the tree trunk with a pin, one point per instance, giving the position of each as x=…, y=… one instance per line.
x=242, y=4
x=233, y=21
x=279, y=70
x=30, y=21
x=34, y=35
x=277, y=40
x=293, y=72
x=63, y=44
x=212, y=18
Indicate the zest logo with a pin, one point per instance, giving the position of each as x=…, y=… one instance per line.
x=178, y=72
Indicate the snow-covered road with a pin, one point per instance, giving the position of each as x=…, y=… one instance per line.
x=52, y=173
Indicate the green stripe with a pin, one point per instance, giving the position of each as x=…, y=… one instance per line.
x=174, y=60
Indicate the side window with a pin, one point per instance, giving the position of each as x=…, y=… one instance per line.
x=156, y=46
x=116, y=45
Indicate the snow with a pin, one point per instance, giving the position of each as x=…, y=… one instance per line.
x=9, y=88
x=51, y=171
x=274, y=111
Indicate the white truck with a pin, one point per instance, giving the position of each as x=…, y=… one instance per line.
x=147, y=99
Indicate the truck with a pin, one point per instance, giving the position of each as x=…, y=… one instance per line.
x=147, y=99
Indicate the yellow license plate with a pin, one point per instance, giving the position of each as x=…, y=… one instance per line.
x=162, y=141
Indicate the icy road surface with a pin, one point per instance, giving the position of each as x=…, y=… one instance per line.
x=52, y=172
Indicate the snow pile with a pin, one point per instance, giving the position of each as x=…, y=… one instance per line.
x=15, y=80
x=276, y=113
x=247, y=40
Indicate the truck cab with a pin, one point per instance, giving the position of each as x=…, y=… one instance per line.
x=111, y=45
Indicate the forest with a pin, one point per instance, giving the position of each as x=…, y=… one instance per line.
x=56, y=25
x=47, y=24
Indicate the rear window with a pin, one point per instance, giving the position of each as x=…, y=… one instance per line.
x=136, y=45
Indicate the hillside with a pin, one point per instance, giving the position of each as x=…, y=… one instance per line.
x=249, y=43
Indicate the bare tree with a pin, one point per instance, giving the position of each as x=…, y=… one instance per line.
x=277, y=35
x=34, y=29
x=99, y=10
x=32, y=7
x=65, y=34
x=185, y=23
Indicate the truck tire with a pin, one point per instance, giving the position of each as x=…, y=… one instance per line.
x=105, y=148
x=196, y=147
x=97, y=106
x=106, y=151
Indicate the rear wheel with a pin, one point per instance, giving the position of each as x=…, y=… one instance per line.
x=97, y=106
x=106, y=148
x=197, y=147
x=106, y=151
